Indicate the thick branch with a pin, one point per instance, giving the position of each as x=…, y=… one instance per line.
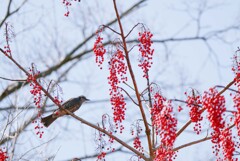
x=134, y=80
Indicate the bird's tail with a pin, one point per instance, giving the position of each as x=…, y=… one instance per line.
x=48, y=120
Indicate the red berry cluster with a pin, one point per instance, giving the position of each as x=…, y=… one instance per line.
x=164, y=154
x=104, y=144
x=215, y=106
x=166, y=126
x=194, y=103
x=67, y=4
x=101, y=156
x=137, y=144
x=57, y=100
x=136, y=129
x=236, y=66
x=180, y=108
x=36, y=88
x=236, y=101
x=99, y=49
x=36, y=91
x=38, y=128
x=117, y=68
x=9, y=34
x=3, y=155
x=146, y=51
x=236, y=95
x=227, y=144
x=8, y=51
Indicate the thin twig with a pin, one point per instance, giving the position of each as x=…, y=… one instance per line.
x=129, y=95
x=111, y=29
x=132, y=30
x=15, y=80
x=230, y=89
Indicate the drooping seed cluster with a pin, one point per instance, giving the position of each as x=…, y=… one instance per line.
x=117, y=69
x=215, y=106
x=136, y=130
x=103, y=141
x=99, y=49
x=36, y=90
x=67, y=4
x=145, y=44
x=194, y=103
x=9, y=35
x=165, y=125
x=236, y=95
x=236, y=66
x=101, y=156
x=228, y=146
x=137, y=144
x=3, y=155
x=37, y=93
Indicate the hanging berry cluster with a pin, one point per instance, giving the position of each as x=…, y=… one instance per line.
x=228, y=146
x=165, y=125
x=36, y=87
x=37, y=93
x=104, y=142
x=9, y=35
x=67, y=4
x=145, y=44
x=98, y=48
x=117, y=69
x=136, y=130
x=236, y=95
x=194, y=103
x=215, y=106
x=3, y=155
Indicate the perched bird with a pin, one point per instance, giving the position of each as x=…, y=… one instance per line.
x=72, y=105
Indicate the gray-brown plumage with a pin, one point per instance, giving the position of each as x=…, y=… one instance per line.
x=72, y=105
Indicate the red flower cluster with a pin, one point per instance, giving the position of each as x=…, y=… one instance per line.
x=99, y=49
x=117, y=70
x=146, y=51
x=3, y=155
x=227, y=144
x=194, y=102
x=165, y=125
x=215, y=106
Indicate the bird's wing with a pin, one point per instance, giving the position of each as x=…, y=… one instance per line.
x=69, y=103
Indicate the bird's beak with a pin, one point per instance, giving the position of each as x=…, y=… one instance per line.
x=87, y=99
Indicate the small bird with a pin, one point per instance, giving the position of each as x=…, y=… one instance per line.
x=72, y=105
